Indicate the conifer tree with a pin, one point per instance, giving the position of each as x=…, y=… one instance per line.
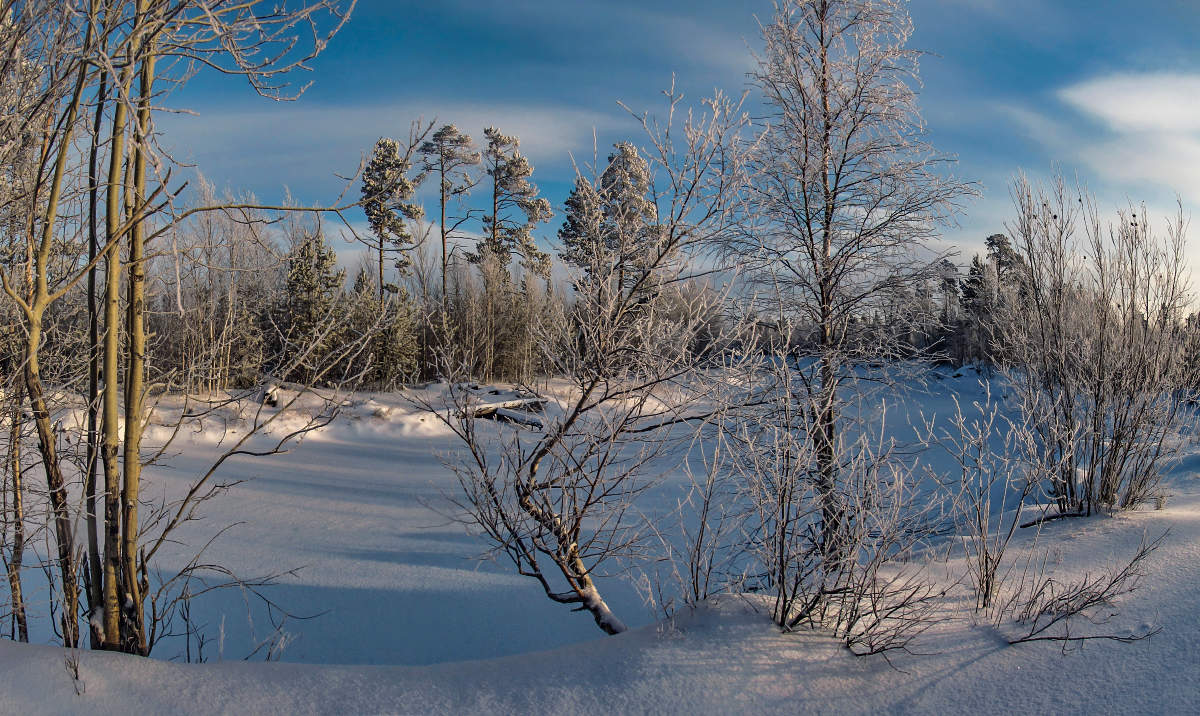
x=310, y=301
x=387, y=191
x=581, y=236
x=993, y=283
x=977, y=287
x=391, y=334
x=516, y=207
x=398, y=344
x=1008, y=263
x=947, y=274
x=449, y=155
x=612, y=222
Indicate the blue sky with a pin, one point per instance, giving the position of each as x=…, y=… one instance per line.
x=1107, y=89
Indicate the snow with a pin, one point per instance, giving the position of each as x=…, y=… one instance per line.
x=410, y=622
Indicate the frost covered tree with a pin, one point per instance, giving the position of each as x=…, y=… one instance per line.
x=845, y=193
x=312, y=296
x=389, y=333
x=557, y=502
x=1097, y=348
x=388, y=186
x=450, y=156
x=101, y=75
x=612, y=221
x=995, y=284
x=516, y=208
x=213, y=289
x=580, y=237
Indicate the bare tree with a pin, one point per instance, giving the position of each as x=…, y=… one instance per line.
x=870, y=594
x=1001, y=464
x=702, y=546
x=558, y=501
x=1046, y=609
x=997, y=471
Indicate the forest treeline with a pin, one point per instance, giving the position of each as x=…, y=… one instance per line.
x=245, y=297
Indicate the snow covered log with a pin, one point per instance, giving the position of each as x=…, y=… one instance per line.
x=497, y=402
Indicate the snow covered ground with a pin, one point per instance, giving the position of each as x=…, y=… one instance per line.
x=407, y=621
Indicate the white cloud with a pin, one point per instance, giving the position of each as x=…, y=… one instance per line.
x=1170, y=161
x=1047, y=131
x=1139, y=138
x=1158, y=102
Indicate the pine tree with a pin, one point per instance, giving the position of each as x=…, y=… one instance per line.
x=948, y=284
x=630, y=216
x=581, y=235
x=516, y=207
x=515, y=210
x=362, y=317
x=387, y=191
x=981, y=298
x=390, y=334
x=613, y=223
x=310, y=305
x=450, y=154
x=952, y=328
x=977, y=287
x=993, y=283
x=398, y=345
x=1008, y=263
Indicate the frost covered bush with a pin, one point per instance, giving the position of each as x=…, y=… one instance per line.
x=1099, y=367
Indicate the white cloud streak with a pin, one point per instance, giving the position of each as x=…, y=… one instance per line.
x=299, y=145
x=1160, y=102
x=1138, y=134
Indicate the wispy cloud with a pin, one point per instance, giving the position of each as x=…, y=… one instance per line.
x=1138, y=135
x=296, y=145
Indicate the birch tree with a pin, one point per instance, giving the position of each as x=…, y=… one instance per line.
x=103, y=57
x=846, y=191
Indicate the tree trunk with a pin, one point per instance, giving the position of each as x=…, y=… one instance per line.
x=136, y=639
x=59, y=505
x=15, y=563
x=110, y=401
x=593, y=602
x=95, y=590
x=442, y=226
x=826, y=427
x=34, y=314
